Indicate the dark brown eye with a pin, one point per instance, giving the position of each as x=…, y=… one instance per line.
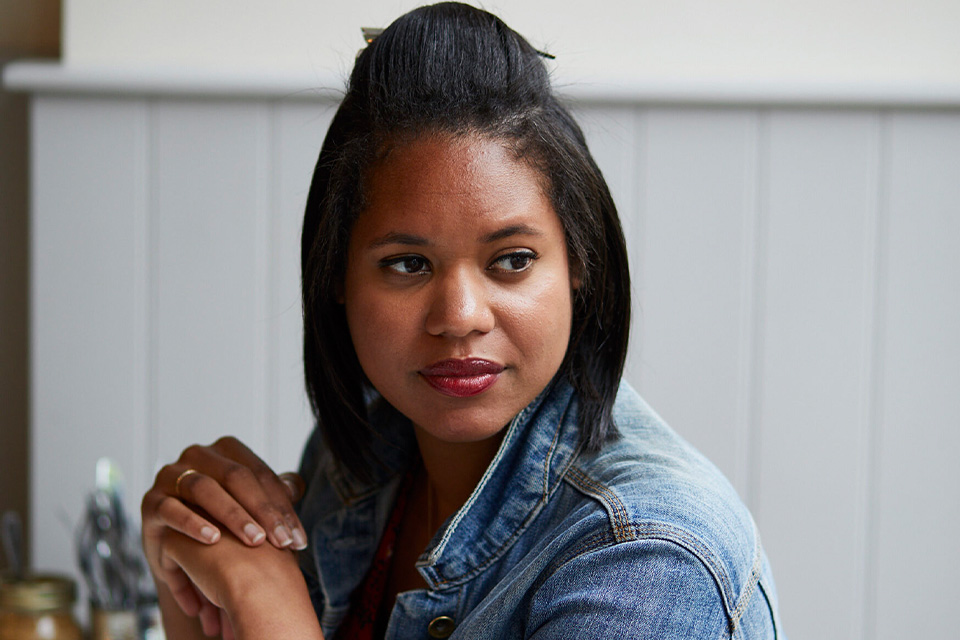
x=517, y=261
x=407, y=265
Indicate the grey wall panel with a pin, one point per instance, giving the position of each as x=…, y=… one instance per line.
x=696, y=263
x=88, y=324
x=613, y=134
x=819, y=205
x=209, y=226
x=917, y=491
x=300, y=128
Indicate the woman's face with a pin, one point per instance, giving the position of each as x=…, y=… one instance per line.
x=458, y=293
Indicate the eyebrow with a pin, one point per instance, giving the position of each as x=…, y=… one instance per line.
x=419, y=241
x=399, y=238
x=512, y=230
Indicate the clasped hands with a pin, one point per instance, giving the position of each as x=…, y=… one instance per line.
x=219, y=529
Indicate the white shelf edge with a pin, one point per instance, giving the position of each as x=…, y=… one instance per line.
x=44, y=76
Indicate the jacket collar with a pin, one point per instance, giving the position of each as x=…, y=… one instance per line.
x=540, y=445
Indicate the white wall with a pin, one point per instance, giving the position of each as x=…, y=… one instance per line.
x=614, y=40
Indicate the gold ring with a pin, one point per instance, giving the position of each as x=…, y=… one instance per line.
x=180, y=479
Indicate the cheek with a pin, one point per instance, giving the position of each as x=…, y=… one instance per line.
x=376, y=326
x=538, y=318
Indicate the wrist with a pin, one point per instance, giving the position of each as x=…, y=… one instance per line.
x=275, y=606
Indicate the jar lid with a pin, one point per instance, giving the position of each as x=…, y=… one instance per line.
x=37, y=594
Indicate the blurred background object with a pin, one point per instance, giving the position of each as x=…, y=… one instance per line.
x=108, y=545
x=28, y=28
x=38, y=608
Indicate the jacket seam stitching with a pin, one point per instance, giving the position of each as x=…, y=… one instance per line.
x=679, y=537
x=695, y=546
x=495, y=555
x=549, y=458
x=699, y=549
x=499, y=551
x=750, y=589
x=445, y=538
x=672, y=536
x=620, y=521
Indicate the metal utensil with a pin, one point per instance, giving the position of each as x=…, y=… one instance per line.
x=106, y=549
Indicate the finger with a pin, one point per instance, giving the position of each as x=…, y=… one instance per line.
x=250, y=483
x=159, y=509
x=296, y=488
x=273, y=508
x=184, y=593
x=294, y=485
x=223, y=507
x=220, y=506
x=209, y=618
x=172, y=513
x=288, y=484
x=226, y=627
x=168, y=572
x=164, y=506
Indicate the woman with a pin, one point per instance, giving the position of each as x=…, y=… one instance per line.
x=478, y=470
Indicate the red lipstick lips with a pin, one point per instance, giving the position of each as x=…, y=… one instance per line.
x=462, y=378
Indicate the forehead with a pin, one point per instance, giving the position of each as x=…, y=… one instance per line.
x=437, y=181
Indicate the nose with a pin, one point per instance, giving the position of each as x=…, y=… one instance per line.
x=459, y=304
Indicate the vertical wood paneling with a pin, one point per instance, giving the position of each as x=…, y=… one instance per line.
x=820, y=224
x=696, y=252
x=300, y=128
x=211, y=312
x=87, y=372
x=918, y=488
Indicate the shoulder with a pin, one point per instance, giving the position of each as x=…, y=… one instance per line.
x=659, y=525
x=651, y=482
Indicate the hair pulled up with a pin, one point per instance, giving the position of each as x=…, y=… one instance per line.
x=453, y=69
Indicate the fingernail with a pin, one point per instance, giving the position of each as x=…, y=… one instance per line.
x=283, y=535
x=253, y=533
x=299, y=540
x=209, y=534
x=290, y=486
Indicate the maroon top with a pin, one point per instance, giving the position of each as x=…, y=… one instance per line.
x=361, y=622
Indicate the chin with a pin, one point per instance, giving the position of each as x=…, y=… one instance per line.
x=459, y=428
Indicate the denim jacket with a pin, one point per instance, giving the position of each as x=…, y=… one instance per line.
x=643, y=539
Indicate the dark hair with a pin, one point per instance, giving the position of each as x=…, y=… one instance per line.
x=453, y=69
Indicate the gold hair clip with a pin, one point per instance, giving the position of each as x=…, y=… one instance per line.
x=370, y=33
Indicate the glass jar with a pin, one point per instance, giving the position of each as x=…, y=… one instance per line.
x=38, y=608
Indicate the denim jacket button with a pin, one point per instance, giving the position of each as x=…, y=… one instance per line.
x=441, y=627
